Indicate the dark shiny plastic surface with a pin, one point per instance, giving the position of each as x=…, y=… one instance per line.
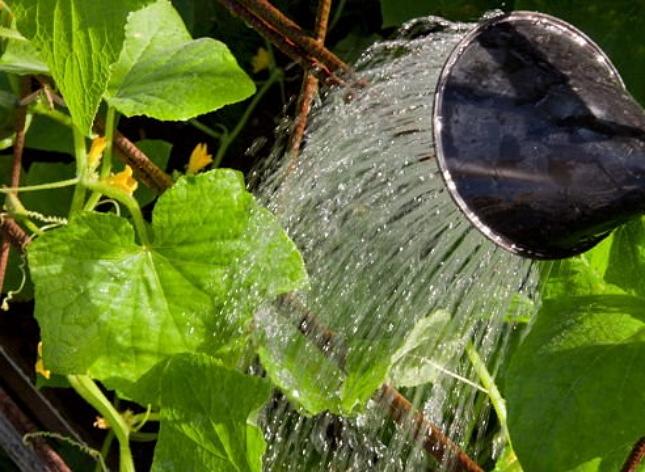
x=538, y=141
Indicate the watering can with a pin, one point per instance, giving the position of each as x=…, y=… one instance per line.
x=537, y=139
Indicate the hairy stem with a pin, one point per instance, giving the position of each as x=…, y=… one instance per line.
x=207, y=130
x=16, y=167
x=35, y=188
x=106, y=161
x=81, y=169
x=91, y=393
x=129, y=202
x=487, y=380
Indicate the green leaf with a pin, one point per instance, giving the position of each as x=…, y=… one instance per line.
x=165, y=74
x=418, y=361
x=627, y=258
x=78, y=40
x=507, y=461
x=112, y=308
x=581, y=275
x=21, y=57
x=308, y=378
x=576, y=386
x=205, y=411
x=616, y=25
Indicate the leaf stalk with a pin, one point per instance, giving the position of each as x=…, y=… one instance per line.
x=91, y=393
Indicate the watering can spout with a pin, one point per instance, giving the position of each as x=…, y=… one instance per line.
x=538, y=141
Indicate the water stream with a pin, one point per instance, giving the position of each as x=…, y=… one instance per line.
x=387, y=251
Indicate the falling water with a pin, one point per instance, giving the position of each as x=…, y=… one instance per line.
x=386, y=249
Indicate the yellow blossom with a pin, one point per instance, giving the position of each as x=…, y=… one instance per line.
x=123, y=181
x=96, y=152
x=101, y=423
x=199, y=159
x=40, y=366
x=261, y=60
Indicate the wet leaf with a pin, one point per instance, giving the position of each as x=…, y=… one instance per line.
x=165, y=74
x=507, y=461
x=112, y=308
x=206, y=412
x=308, y=378
x=78, y=40
x=576, y=386
x=419, y=361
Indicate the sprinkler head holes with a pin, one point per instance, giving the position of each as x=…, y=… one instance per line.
x=539, y=143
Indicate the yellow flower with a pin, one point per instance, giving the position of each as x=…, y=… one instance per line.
x=40, y=366
x=199, y=159
x=261, y=60
x=123, y=181
x=101, y=423
x=96, y=152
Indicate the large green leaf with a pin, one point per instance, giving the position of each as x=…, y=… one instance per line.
x=113, y=308
x=627, y=258
x=576, y=386
x=21, y=57
x=163, y=73
x=341, y=380
x=310, y=380
x=78, y=40
x=205, y=417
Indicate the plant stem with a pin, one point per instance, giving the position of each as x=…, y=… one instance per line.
x=110, y=124
x=60, y=117
x=207, y=130
x=227, y=139
x=487, y=380
x=35, y=188
x=81, y=167
x=91, y=393
x=126, y=200
x=16, y=166
x=106, y=162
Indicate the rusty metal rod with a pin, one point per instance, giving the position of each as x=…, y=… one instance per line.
x=309, y=86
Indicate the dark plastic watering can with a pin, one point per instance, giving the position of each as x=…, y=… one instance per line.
x=539, y=143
